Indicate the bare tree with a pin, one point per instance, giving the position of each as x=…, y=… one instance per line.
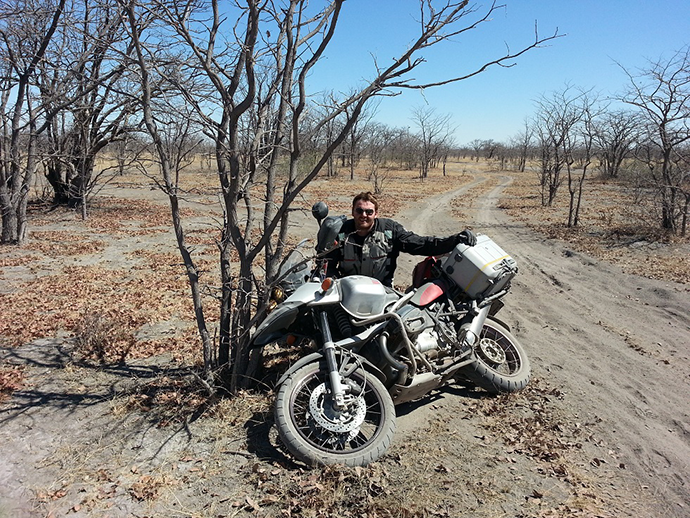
x=434, y=132
x=83, y=83
x=380, y=139
x=26, y=30
x=405, y=148
x=682, y=163
x=489, y=148
x=522, y=144
x=251, y=61
x=445, y=150
x=615, y=133
x=62, y=100
x=477, y=146
x=582, y=148
x=353, y=141
x=324, y=137
x=556, y=125
x=124, y=151
x=662, y=94
x=170, y=165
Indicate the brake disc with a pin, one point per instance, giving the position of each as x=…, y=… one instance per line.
x=332, y=419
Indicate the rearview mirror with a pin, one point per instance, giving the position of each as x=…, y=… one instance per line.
x=319, y=210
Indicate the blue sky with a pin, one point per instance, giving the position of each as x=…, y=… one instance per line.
x=495, y=104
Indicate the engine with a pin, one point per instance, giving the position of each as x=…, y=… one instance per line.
x=419, y=327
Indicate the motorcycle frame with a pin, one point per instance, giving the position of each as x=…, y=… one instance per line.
x=375, y=328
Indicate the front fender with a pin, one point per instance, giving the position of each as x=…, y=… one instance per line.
x=276, y=324
x=499, y=321
x=313, y=357
x=318, y=356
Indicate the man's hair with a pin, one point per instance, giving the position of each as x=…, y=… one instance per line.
x=366, y=196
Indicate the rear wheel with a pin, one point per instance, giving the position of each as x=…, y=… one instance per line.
x=316, y=432
x=501, y=364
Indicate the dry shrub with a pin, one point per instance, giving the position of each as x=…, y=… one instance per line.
x=180, y=396
x=11, y=379
x=103, y=336
x=332, y=491
x=174, y=399
x=241, y=408
x=148, y=487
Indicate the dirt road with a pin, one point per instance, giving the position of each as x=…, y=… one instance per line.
x=617, y=345
x=602, y=430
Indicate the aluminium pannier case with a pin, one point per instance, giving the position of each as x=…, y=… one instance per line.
x=481, y=270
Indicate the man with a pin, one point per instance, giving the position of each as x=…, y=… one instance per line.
x=369, y=245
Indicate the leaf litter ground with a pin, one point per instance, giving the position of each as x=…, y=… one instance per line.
x=106, y=416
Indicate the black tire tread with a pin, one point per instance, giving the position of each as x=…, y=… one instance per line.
x=309, y=455
x=490, y=380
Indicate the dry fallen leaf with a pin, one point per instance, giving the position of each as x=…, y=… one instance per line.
x=252, y=503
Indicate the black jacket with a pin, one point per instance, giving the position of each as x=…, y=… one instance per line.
x=376, y=254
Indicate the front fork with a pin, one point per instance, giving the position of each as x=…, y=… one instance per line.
x=474, y=329
x=337, y=386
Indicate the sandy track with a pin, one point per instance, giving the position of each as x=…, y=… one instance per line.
x=431, y=217
x=617, y=345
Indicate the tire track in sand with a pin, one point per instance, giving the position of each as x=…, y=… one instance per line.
x=431, y=217
x=610, y=341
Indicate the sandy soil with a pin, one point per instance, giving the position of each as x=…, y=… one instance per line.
x=603, y=429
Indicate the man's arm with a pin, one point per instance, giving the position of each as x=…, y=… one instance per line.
x=414, y=244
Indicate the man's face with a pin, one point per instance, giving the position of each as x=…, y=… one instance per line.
x=364, y=214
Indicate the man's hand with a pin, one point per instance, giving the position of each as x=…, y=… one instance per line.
x=467, y=237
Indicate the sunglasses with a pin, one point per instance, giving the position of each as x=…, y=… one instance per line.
x=368, y=212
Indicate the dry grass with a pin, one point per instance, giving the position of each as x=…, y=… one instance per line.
x=103, y=336
x=334, y=491
x=614, y=226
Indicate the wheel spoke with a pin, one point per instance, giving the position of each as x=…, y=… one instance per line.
x=512, y=359
x=317, y=431
x=353, y=436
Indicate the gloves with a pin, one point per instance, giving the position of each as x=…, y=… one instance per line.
x=467, y=237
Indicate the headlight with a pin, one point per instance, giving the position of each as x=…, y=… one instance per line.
x=278, y=295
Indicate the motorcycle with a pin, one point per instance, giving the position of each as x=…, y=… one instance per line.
x=374, y=347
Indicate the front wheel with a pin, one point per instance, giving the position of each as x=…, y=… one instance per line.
x=501, y=364
x=318, y=433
